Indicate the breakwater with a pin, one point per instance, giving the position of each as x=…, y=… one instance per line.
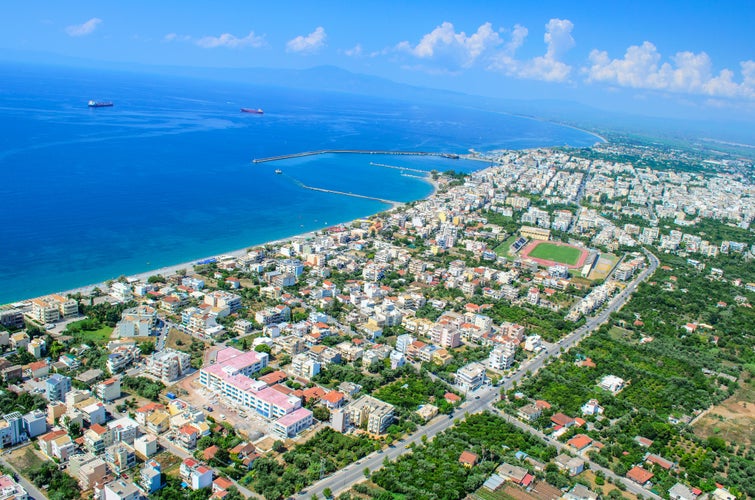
x=393, y=203
x=353, y=151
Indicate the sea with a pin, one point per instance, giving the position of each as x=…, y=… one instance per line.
x=166, y=176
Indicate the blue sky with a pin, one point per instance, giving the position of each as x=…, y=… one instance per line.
x=651, y=56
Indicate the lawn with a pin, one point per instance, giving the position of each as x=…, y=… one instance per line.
x=90, y=331
x=557, y=253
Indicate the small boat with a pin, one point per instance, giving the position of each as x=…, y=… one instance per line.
x=100, y=104
x=257, y=111
x=278, y=171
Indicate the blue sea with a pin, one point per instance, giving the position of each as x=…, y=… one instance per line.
x=165, y=175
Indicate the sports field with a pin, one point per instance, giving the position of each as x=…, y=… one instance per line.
x=547, y=252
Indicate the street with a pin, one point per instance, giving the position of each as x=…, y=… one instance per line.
x=346, y=477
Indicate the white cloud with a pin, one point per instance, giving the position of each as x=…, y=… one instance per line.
x=548, y=67
x=84, y=28
x=687, y=72
x=308, y=44
x=355, y=51
x=445, y=45
x=231, y=41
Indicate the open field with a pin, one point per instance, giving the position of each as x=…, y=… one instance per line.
x=25, y=459
x=540, y=491
x=178, y=340
x=606, y=488
x=734, y=419
x=548, y=252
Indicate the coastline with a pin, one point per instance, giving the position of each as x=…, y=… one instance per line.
x=189, y=265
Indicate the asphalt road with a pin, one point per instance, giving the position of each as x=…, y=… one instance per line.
x=482, y=399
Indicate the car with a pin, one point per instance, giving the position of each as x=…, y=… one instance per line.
x=477, y=397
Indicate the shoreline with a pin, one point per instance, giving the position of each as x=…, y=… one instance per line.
x=172, y=269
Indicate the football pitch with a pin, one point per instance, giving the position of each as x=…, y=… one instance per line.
x=556, y=253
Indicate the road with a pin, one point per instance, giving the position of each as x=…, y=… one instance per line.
x=481, y=400
x=33, y=491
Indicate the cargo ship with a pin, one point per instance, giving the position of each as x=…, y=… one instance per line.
x=100, y=104
x=257, y=111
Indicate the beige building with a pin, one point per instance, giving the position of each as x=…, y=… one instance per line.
x=372, y=413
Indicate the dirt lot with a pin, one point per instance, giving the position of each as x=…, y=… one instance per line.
x=26, y=458
x=605, y=489
x=734, y=419
x=244, y=420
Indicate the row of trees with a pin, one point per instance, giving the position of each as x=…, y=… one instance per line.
x=143, y=386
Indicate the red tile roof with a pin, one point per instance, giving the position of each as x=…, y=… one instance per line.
x=639, y=475
x=468, y=458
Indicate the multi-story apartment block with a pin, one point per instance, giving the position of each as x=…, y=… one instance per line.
x=272, y=315
x=169, y=364
x=375, y=415
x=445, y=336
x=223, y=299
x=51, y=308
x=196, y=474
x=56, y=387
x=302, y=365
x=108, y=390
x=137, y=322
x=502, y=356
x=470, y=377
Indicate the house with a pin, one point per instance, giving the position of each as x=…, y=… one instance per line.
x=451, y=398
x=146, y=445
x=572, y=465
x=220, y=485
x=187, y=436
x=659, y=461
x=246, y=453
x=562, y=420
x=612, y=384
x=580, y=442
x=45, y=441
x=515, y=474
x=334, y=399
x=580, y=492
x=639, y=475
x=530, y=412
x=210, y=452
x=468, y=459
x=592, y=407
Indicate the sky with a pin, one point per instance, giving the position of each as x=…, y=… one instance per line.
x=664, y=58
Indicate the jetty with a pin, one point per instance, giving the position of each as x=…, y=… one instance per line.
x=353, y=152
x=396, y=167
x=392, y=203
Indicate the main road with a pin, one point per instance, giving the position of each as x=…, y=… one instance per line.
x=482, y=399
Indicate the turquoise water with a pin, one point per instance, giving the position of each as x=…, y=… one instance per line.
x=165, y=176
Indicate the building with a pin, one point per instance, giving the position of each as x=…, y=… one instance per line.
x=51, y=308
x=136, y=322
x=108, y=390
x=169, y=365
x=639, y=475
x=56, y=387
x=502, y=356
x=535, y=233
x=304, y=366
x=151, y=477
x=470, y=377
x=681, y=492
x=273, y=315
x=88, y=469
x=97, y=438
x=572, y=465
x=146, y=445
x=222, y=299
x=12, y=429
x=292, y=424
x=34, y=423
x=121, y=457
x=612, y=384
x=580, y=492
x=195, y=474
x=11, y=490
x=371, y=413
x=121, y=490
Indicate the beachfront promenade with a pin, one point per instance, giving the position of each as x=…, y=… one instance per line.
x=353, y=151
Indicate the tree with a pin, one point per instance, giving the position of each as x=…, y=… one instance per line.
x=263, y=348
x=278, y=446
x=328, y=493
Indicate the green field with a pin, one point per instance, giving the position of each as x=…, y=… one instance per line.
x=556, y=253
x=502, y=250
